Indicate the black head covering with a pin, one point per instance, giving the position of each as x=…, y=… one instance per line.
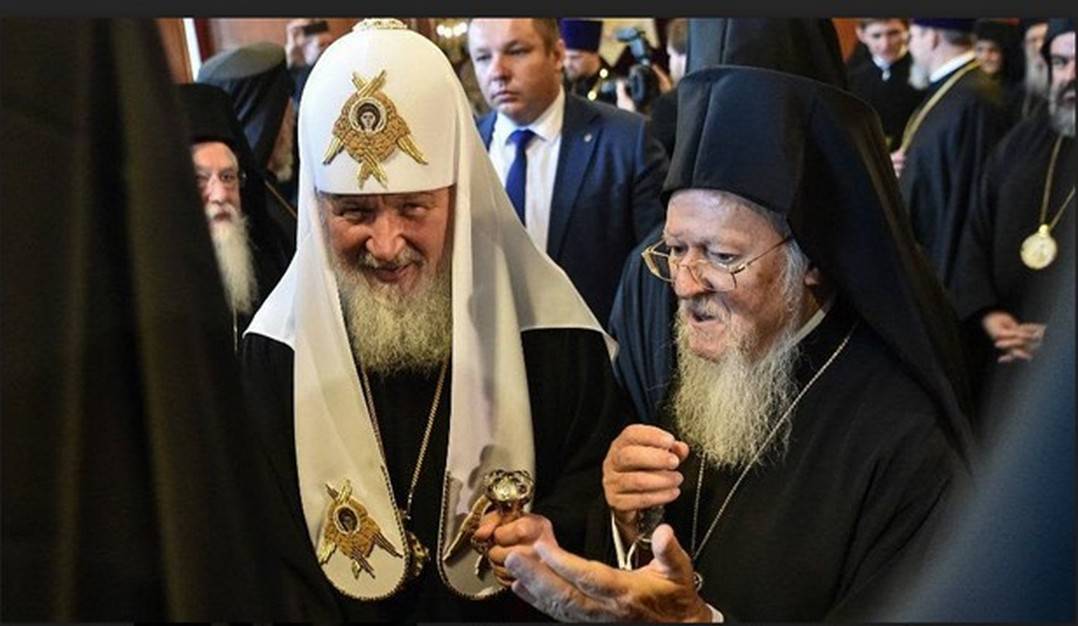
x=210, y=117
x=127, y=476
x=644, y=307
x=257, y=79
x=1056, y=27
x=1008, y=38
x=808, y=47
x=817, y=155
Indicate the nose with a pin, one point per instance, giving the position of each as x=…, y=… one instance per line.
x=215, y=191
x=685, y=283
x=499, y=70
x=387, y=239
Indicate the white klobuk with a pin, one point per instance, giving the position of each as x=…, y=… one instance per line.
x=501, y=285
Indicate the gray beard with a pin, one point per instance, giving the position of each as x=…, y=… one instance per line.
x=1062, y=115
x=1036, y=81
x=391, y=332
x=231, y=243
x=726, y=409
x=919, y=77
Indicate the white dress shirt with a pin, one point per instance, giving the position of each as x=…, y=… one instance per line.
x=542, y=155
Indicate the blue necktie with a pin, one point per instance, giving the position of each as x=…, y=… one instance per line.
x=518, y=171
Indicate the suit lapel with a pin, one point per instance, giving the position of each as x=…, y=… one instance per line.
x=579, y=134
x=486, y=128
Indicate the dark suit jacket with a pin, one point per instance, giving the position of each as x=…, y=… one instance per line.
x=606, y=194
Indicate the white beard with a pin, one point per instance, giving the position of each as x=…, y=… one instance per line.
x=919, y=77
x=391, y=332
x=231, y=244
x=1062, y=114
x=1036, y=81
x=726, y=408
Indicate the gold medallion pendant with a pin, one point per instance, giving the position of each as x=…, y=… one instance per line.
x=1039, y=249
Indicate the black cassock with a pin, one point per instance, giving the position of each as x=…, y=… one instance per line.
x=945, y=160
x=989, y=273
x=816, y=534
x=894, y=99
x=577, y=410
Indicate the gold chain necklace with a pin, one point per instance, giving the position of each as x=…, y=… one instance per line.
x=696, y=551
x=418, y=554
x=1039, y=249
x=915, y=123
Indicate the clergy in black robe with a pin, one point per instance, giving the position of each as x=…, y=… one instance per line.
x=998, y=47
x=941, y=158
x=128, y=485
x=256, y=77
x=587, y=74
x=380, y=422
x=865, y=450
x=644, y=308
x=1028, y=182
x=210, y=118
x=883, y=82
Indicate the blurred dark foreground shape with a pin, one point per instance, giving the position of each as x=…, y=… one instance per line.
x=126, y=482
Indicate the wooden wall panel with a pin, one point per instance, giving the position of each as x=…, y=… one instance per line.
x=175, y=44
x=847, y=34
x=229, y=33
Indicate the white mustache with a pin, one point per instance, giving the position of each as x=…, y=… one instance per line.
x=407, y=256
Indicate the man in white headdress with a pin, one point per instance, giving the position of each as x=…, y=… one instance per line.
x=418, y=342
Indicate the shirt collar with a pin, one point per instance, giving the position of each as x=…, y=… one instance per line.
x=814, y=321
x=951, y=65
x=884, y=65
x=547, y=126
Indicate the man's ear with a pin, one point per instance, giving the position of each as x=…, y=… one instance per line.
x=813, y=277
x=559, y=54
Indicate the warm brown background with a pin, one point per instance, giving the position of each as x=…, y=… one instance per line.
x=217, y=34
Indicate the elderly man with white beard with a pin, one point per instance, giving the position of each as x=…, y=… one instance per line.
x=251, y=251
x=427, y=383
x=816, y=428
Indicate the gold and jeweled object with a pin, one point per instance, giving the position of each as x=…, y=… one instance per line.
x=370, y=129
x=348, y=528
x=508, y=492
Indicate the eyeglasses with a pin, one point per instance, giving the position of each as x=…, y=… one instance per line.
x=712, y=276
x=229, y=179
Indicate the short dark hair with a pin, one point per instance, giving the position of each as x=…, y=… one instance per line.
x=547, y=27
x=863, y=22
x=677, y=35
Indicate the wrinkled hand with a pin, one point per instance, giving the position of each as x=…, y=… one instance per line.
x=570, y=588
x=519, y=534
x=1015, y=340
x=640, y=471
x=898, y=161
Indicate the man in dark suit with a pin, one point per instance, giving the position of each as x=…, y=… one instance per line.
x=883, y=81
x=584, y=177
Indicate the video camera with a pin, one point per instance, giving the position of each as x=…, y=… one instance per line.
x=643, y=81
